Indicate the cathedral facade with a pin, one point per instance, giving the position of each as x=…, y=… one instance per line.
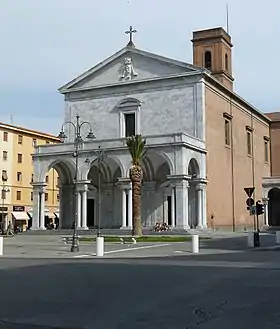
x=202, y=142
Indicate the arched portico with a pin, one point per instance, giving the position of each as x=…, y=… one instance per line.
x=104, y=197
x=196, y=196
x=157, y=200
x=65, y=170
x=274, y=207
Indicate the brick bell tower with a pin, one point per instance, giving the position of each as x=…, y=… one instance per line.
x=212, y=50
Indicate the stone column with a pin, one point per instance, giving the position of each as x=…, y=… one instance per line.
x=204, y=206
x=165, y=208
x=42, y=210
x=173, y=206
x=84, y=210
x=123, y=209
x=265, y=215
x=182, y=202
x=201, y=198
x=36, y=208
x=199, y=212
x=78, y=209
x=129, y=208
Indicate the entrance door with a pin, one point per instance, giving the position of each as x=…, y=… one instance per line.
x=169, y=209
x=274, y=207
x=91, y=213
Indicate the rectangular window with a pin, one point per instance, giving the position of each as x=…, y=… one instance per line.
x=129, y=124
x=5, y=136
x=227, y=132
x=46, y=196
x=47, y=142
x=5, y=155
x=18, y=195
x=19, y=176
x=47, y=179
x=249, y=142
x=20, y=139
x=266, y=151
x=19, y=157
x=4, y=175
x=32, y=178
x=34, y=142
x=31, y=196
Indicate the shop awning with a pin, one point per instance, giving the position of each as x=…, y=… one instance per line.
x=20, y=215
x=47, y=213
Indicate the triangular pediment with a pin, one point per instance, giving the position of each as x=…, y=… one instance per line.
x=129, y=65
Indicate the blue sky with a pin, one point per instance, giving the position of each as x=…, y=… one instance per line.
x=46, y=43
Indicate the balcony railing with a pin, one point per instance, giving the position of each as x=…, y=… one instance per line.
x=119, y=143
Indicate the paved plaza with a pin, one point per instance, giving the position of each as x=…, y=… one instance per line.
x=53, y=246
x=227, y=286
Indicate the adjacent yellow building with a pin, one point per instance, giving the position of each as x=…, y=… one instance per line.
x=16, y=149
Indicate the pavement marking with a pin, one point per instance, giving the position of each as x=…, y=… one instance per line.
x=123, y=250
x=81, y=256
x=137, y=248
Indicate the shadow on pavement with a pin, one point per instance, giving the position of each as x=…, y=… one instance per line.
x=85, y=294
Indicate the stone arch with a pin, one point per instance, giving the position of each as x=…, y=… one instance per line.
x=56, y=177
x=64, y=168
x=129, y=101
x=193, y=168
x=111, y=168
x=274, y=207
x=156, y=166
x=107, y=166
x=193, y=211
x=104, y=196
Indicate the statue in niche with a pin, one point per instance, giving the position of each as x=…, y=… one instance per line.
x=127, y=70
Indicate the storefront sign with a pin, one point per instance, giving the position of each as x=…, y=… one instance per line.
x=18, y=208
x=3, y=209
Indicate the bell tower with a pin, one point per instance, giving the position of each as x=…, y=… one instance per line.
x=212, y=50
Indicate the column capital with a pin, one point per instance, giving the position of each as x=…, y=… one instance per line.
x=123, y=183
x=178, y=178
x=39, y=186
x=200, y=186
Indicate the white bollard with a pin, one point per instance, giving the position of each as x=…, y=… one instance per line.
x=100, y=246
x=1, y=245
x=195, y=244
x=250, y=239
x=277, y=237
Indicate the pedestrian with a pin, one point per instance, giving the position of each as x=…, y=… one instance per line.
x=10, y=230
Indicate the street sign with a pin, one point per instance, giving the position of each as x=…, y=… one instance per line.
x=249, y=191
x=250, y=202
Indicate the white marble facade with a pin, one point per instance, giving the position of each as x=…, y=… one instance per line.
x=165, y=99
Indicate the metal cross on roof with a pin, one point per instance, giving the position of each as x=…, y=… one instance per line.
x=130, y=32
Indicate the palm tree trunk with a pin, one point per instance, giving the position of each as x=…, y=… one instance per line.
x=136, y=208
x=136, y=176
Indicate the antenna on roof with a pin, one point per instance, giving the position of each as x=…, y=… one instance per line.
x=11, y=119
x=227, y=18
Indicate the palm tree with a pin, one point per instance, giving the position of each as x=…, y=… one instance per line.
x=136, y=147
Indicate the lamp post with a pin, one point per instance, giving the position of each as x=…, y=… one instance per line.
x=4, y=191
x=78, y=141
x=100, y=156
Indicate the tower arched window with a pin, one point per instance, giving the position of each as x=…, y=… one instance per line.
x=226, y=62
x=208, y=60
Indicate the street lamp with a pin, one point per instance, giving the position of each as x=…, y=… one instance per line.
x=4, y=191
x=78, y=141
